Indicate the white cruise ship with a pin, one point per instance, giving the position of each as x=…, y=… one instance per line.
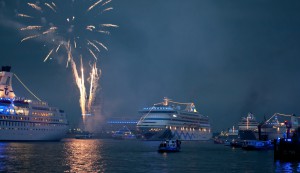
x=167, y=120
x=27, y=120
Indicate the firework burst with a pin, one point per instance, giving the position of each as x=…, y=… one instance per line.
x=67, y=24
x=68, y=27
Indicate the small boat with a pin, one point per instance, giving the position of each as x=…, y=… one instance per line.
x=257, y=145
x=169, y=146
x=84, y=136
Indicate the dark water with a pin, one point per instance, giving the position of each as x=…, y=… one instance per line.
x=76, y=155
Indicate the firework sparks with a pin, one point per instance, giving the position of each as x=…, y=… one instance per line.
x=69, y=29
x=90, y=27
x=35, y=6
x=31, y=28
x=104, y=32
x=89, y=42
x=52, y=8
x=109, y=25
x=52, y=29
x=107, y=9
x=106, y=2
x=58, y=47
x=30, y=37
x=48, y=55
x=94, y=5
x=101, y=44
x=24, y=15
x=92, y=53
x=54, y=5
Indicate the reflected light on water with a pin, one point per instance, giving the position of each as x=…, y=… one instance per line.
x=288, y=167
x=84, y=156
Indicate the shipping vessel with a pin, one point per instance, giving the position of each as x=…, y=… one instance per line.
x=167, y=120
x=27, y=120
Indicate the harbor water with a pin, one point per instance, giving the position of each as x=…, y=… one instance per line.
x=107, y=155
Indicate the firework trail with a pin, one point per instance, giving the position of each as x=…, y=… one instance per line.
x=93, y=79
x=80, y=84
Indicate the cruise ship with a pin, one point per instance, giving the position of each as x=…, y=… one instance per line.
x=167, y=120
x=26, y=120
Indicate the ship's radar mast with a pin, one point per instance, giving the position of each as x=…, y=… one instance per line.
x=166, y=101
x=6, y=90
x=190, y=107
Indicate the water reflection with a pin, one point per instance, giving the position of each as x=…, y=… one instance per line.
x=287, y=167
x=84, y=156
x=2, y=156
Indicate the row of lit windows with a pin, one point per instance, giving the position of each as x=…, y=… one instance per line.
x=24, y=124
x=46, y=120
x=3, y=128
x=14, y=118
x=188, y=129
x=122, y=122
x=44, y=114
x=27, y=118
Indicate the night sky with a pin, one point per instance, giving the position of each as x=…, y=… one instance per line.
x=228, y=57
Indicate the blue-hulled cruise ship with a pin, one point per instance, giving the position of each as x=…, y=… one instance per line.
x=167, y=120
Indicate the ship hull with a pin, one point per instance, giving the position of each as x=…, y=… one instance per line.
x=13, y=130
x=32, y=135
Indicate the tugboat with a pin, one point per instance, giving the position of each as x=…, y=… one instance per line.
x=257, y=145
x=169, y=146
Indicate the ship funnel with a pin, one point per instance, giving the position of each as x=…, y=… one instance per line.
x=6, y=68
x=6, y=90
